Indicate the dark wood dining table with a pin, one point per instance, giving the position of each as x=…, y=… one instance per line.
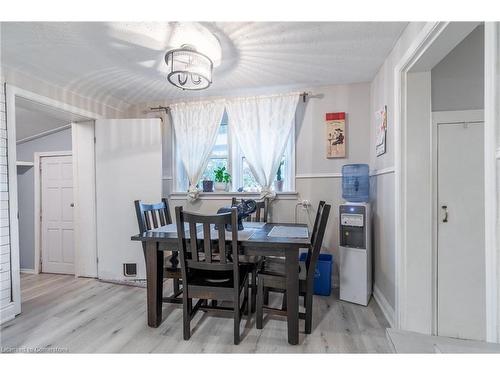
x=255, y=241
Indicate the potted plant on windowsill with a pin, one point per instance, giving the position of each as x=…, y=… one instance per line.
x=278, y=184
x=222, y=179
x=207, y=184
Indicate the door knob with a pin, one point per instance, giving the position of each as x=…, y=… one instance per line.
x=445, y=208
x=72, y=205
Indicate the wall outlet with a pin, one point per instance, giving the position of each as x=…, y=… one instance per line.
x=305, y=203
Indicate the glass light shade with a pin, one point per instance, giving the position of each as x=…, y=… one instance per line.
x=189, y=69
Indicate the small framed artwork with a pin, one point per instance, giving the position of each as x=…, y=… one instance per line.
x=381, y=121
x=335, y=135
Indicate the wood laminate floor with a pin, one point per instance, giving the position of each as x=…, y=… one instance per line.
x=63, y=313
x=411, y=342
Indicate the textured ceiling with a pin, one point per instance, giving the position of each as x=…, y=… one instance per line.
x=125, y=60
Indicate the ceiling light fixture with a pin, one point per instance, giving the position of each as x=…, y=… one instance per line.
x=189, y=69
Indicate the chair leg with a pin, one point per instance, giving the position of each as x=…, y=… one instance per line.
x=260, y=299
x=176, y=286
x=236, y=319
x=248, y=299
x=213, y=303
x=187, y=306
x=308, y=304
x=283, y=302
x=254, y=290
x=266, y=296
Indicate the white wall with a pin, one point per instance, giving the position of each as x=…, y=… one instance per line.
x=458, y=79
x=318, y=178
x=382, y=93
x=60, y=141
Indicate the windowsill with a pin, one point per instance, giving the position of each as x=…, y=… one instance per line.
x=227, y=195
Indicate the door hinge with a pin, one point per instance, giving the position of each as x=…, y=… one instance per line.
x=94, y=139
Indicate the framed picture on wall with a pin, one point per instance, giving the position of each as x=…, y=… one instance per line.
x=335, y=135
x=381, y=121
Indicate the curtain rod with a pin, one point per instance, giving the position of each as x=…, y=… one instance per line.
x=160, y=108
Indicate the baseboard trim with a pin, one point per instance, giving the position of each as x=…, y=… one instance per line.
x=386, y=308
x=27, y=270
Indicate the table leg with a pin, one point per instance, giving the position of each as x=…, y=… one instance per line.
x=292, y=288
x=154, y=278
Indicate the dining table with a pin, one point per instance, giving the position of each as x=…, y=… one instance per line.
x=256, y=238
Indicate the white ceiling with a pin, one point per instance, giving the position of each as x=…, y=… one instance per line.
x=125, y=60
x=33, y=119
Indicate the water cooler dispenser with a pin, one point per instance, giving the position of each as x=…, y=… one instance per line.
x=355, y=253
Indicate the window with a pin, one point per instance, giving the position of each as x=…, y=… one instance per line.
x=227, y=153
x=220, y=153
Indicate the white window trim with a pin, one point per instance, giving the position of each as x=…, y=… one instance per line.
x=235, y=167
x=228, y=195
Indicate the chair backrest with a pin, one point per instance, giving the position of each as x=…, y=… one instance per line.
x=317, y=242
x=316, y=220
x=208, y=252
x=152, y=215
x=261, y=213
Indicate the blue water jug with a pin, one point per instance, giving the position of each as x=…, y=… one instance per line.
x=356, y=182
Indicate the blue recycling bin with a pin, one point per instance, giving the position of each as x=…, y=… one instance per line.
x=322, y=274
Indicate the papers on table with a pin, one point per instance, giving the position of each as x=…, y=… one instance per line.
x=253, y=224
x=290, y=232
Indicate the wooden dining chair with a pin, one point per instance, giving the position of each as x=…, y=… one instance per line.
x=262, y=212
x=261, y=215
x=273, y=275
x=151, y=216
x=210, y=269
x=313, y=233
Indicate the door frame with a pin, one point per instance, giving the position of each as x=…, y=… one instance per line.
x=442, y=117
x=11, y=93
x=423, y=42
x=491, y=159
x=38, y=156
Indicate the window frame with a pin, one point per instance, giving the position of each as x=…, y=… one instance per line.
x=235, y=164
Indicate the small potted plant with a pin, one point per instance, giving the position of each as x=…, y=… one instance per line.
x=278, y=184
x=208, y=184
x=222, y=179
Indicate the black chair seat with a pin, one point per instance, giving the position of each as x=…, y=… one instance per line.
x=220, y=279
x=250, y=259
x=276, y=267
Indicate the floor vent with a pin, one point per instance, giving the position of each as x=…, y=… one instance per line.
x=130, y=269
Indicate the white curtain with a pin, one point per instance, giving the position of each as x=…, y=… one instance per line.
x=262, y=126
x=196, y=126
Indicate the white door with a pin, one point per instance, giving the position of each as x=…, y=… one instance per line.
x=128, y=167
x=460, y=254
x=57, y=214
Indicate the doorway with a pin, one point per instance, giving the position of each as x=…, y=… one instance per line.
x=434, y=76
x=460, y=257
x=70, y=130
x=56, y=224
